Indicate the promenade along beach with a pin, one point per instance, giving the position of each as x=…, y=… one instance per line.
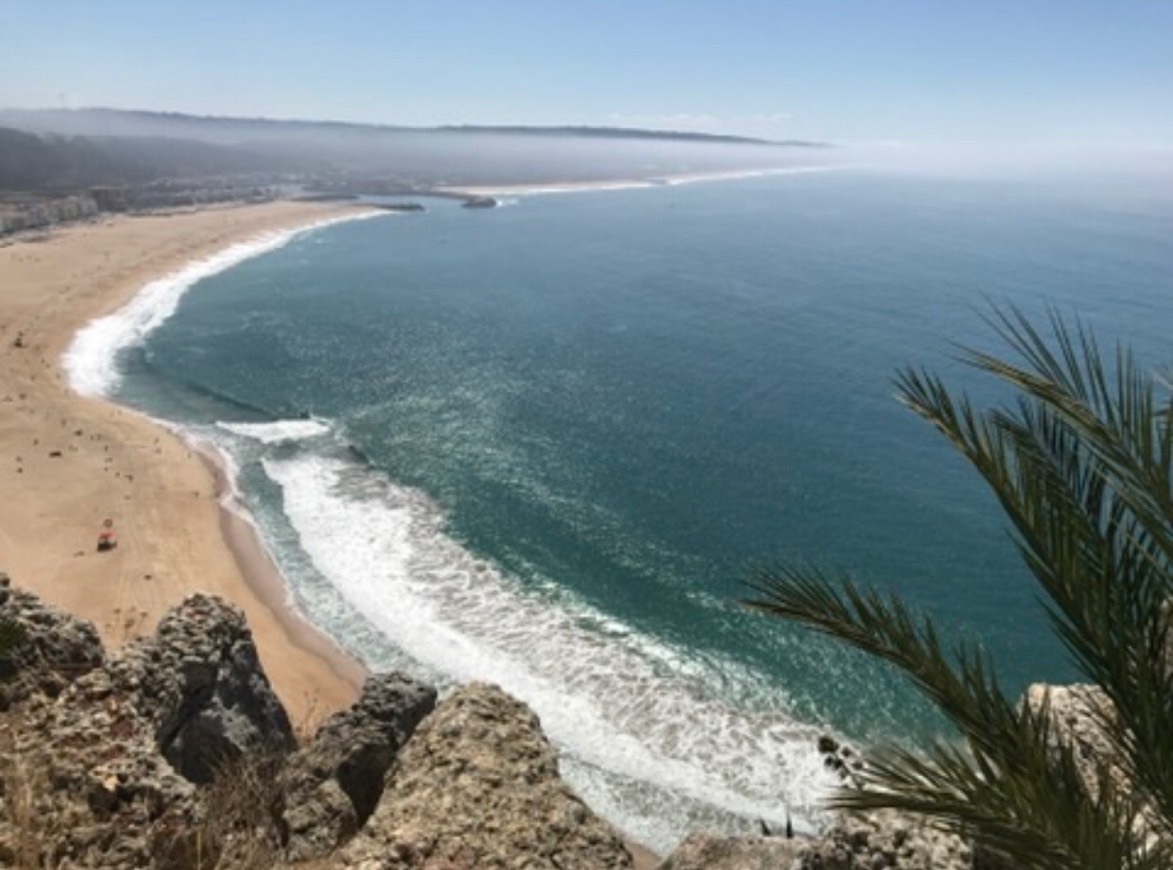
x=69, y=462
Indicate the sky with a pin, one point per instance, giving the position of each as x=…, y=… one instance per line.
x=863, y=71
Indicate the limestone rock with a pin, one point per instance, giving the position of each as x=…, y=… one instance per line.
x=316, y=821
x=868, y=841
x=52, y=648
x=1076, y=713
x=331, y=787
x=886, y=838
x=843, y=760
x=704, y=852
x=83, y=785
x=200, y=682
x=83, y=777
x=1079, y=713
x=478, y=787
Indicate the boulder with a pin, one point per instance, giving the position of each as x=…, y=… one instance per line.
x=478, y=787
x=841, y=759
x=707, y=852
x=199, y=680
x=332, y=786
x=50, y=648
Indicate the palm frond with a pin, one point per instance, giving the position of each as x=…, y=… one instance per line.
x=1082, y=465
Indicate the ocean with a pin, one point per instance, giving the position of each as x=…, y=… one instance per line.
x=545, y=445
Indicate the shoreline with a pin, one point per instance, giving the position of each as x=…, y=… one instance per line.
x=69, y=460
x=262, y=574
x=669, y=180
x=178, y=530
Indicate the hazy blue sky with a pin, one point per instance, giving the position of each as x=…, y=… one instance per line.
x=844, y=70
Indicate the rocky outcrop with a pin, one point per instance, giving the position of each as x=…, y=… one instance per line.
x=839, y=758
x=706, y=852
x=75, y=797
x=175, y=755
x=1079, y=715
x=853, y=841
x=1077, y=712
x=201, y=684
x=332, y=786
x=81, y=780
x=866, y=841
x=869, y=841
x=101, y=757
x=50, y=648
x=478, y=786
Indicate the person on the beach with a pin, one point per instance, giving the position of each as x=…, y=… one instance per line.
x=107, y=539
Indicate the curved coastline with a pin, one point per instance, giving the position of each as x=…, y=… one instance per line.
x=670, y=180
x=73, y=458
x=624, y=767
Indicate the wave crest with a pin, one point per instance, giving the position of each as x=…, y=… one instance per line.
x=278, y=431
x=90, y=363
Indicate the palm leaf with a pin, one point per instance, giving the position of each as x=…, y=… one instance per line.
x=1082, y=465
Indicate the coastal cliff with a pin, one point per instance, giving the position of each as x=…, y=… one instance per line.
x=175, y=753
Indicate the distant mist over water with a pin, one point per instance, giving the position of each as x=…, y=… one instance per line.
x=410, y=156
x=543, y=444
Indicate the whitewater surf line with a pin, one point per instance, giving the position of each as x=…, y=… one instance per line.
x=90, y=362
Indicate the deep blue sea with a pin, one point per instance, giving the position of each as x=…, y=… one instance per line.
x=544, y=445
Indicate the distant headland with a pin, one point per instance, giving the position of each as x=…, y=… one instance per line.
x=59, y=164
x=100, y=121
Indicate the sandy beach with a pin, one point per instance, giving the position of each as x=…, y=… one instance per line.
x=68, y=463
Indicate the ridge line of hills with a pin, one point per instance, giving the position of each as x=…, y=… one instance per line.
x=82, y=121
x=59, y=164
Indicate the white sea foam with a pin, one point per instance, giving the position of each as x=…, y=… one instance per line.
x=638, y=718
x=645, y=734
x=279, y=430
x=91, y=360
x=231, y=497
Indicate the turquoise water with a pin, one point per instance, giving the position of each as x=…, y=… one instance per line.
x=546, y=443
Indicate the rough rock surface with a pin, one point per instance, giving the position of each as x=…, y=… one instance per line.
x=1076, y=712
x=478, y=787
x=869, y=841
x=74, y=800
x=198, y=679
x=332, y=786
x=81, y=780
x=886, y=838
x=102, y=764
x=52, y=647
x=704, y=852
x=842, y=760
